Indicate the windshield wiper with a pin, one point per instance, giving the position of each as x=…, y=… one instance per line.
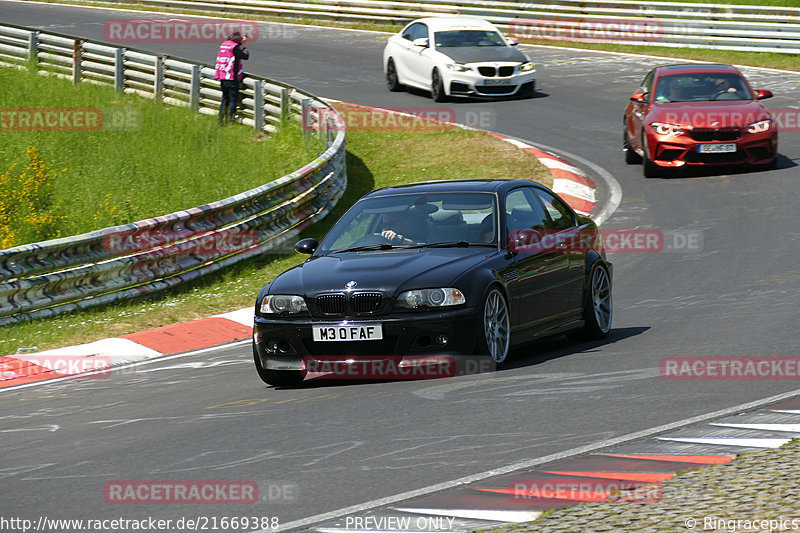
x=366, y=248
x=450, y=244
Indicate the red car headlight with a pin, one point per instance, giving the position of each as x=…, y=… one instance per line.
x=760, y=126
x=666, y=129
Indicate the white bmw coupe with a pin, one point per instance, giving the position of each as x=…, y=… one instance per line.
x=457, y=56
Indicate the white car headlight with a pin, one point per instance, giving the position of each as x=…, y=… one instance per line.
x=666, y=129
x=276, y=304
x=458, y=67
x=760, y=126
x=525, y=67
x=430, y=298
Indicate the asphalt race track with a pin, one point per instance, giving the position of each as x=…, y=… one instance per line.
x=208, y=416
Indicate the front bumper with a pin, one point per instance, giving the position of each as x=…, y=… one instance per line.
x=472, y=83
x=673, y=151
x=282, y=344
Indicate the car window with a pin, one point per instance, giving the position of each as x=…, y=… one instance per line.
x=458, y=38
x=647, y=83
x=559, y=214
x=704, y=86
x=523, y=211
x=442, y=217
x=417, y=30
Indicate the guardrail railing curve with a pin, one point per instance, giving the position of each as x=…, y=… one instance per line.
x=670, y=24
x=50, y=277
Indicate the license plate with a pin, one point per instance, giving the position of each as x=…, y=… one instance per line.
x=348, y=332
x=495, y=82
x=715, y=148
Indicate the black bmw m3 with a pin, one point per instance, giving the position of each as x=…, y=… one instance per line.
x=445, y=268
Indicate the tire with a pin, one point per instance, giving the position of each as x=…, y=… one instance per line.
x=437, y=87
x=392, y=81
x=495, y=327
x=528, y=90
x=631, y=157
x=277, y=378
x=649, y=169
x=598, y=309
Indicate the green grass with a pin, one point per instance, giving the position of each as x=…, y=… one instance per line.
x=164, y=159
x=374, y=159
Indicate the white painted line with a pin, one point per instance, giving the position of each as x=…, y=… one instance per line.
x=561, y=165
x=115, y=349
x=573, y=188
x=479, y=514
x=389, y=500
x=747, y=443
x=159, y=359
x=242, y=316
x=790, y=411
x=794, y=428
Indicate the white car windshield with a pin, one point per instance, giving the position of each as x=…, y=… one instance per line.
x=458, y=38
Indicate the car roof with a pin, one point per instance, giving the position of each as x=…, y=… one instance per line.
x=457, y=23
x=465, y=185
x=694, y=68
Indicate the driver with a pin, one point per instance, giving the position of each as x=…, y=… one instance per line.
x=409, y=226
x=724, y=88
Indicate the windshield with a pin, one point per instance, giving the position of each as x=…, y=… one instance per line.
x=701, y=87
x=456, y=38
x=414, y=220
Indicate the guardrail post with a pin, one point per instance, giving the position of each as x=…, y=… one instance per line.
x=285, y=106
x=158, y=83
x=33, y=47
x=258, y=106
x=77, y=51
x=194, y=88
x=305, y=116
x=119, y=69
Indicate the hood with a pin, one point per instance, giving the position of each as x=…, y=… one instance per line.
x=725, y=113
x=389, y=271
x=479, y=54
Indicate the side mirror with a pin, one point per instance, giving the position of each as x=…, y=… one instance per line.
x=422, y=42
x=639, y=96
x=512, y=41
x=762, y=94
x=306, y=246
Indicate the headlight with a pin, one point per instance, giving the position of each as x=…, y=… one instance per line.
x=276, y=304
x=430, y=298
x=666, y=129
x=758, y=127
x=525, y=67
x=458, y=67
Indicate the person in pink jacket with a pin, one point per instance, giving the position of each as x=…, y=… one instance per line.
x=230, y=72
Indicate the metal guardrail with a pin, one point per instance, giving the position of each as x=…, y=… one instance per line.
x=671, y=24
x=50, y=277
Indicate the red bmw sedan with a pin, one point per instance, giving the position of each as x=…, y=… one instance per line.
x=698, y=115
